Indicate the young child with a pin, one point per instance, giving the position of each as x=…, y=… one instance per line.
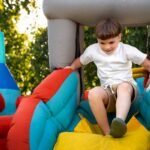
x=118, y=89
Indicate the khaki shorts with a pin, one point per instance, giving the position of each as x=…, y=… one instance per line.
x=112, y=96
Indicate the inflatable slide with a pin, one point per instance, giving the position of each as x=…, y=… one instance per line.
x=55, y=116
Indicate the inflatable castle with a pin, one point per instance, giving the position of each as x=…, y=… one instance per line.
x=55, y=116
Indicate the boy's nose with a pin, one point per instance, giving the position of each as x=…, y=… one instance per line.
x=107, y=47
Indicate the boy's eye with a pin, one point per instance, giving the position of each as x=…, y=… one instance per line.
x=102, y=43
x=111, y=42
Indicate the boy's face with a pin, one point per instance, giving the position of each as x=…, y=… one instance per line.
x=109, y=45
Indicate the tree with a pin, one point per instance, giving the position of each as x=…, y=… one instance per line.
x=16, y=44
x=39, y=59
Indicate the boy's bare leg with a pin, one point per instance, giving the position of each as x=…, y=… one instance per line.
x=123, y=103
x=124, y=94
x=98, y=98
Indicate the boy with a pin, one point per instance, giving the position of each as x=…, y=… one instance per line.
x=113, y=60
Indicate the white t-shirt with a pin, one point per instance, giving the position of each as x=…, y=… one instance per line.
x=116, y=67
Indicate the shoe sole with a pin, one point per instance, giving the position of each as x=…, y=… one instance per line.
x=118, y=128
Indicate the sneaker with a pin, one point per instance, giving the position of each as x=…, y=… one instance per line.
x=118, y=128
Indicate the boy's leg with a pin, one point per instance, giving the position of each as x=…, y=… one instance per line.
x=123, y=103
x=98, y=99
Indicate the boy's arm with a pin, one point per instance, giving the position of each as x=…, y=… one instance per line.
x=76, y=64
x=146, y=65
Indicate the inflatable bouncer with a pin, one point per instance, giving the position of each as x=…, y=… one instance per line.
x=55, y=116
x=52, y=118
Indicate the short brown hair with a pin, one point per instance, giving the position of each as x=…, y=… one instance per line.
x=108, y=28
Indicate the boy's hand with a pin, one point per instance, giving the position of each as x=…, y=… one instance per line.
x=69, y=67
x=147, y=80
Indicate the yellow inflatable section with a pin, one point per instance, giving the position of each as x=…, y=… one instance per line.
x=87, y=136
x=138, y=72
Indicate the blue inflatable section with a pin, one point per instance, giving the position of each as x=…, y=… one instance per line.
x=2, y=48
x=55, y=116
x=7, y=81
x=8, y=87
x=10, y=96
x=143, y=114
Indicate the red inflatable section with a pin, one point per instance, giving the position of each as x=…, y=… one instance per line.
x=45, y=90
x=2, y=103
x=18, y=135
x=5, y=122
x=15, y=130
x=146, y=78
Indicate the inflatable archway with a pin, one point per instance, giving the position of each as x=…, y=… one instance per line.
x=67, y=17
x=52, y=117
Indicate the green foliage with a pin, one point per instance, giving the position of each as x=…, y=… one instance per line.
x=136, y=36
x=1, y=7
x=39, y=58
x=89, y=36
x=31, y=65
x=16, y=44
x=90, y=77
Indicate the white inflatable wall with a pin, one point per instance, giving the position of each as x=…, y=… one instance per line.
x=64, y=16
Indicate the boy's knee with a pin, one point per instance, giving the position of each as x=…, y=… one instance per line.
x=92, y=94
x=96, y=93
x=126, y=87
